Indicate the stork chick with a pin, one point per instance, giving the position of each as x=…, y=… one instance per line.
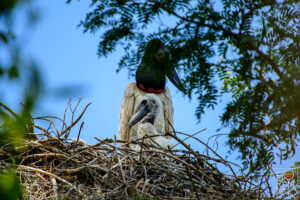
x=144, y=117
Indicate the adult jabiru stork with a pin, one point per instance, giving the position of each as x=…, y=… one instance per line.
x=150, y=78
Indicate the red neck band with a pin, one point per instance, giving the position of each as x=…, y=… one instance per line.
x=150, y=90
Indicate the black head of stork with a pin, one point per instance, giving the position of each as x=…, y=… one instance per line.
x=154, y=67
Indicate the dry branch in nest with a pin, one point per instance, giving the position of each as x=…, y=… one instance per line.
x=54, y=169
x=58, y=168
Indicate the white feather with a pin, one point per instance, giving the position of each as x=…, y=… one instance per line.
x=131, y=99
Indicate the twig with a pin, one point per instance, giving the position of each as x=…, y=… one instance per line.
x=53, y=180
x=73, y=114
x=78, y=136
x=193, y=135
x=65, y=114
x=45, y=118
x=75, y=122
x=52, y=175
x=9, y=110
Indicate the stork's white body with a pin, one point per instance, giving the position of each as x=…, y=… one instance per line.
x=131, y=99
x=148, y=129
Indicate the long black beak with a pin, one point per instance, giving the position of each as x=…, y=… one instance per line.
x=141, y=111
x=174, y=78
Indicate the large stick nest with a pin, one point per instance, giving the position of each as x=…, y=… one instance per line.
x=54, y=167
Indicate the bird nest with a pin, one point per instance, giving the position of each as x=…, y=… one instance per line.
x=54, y=167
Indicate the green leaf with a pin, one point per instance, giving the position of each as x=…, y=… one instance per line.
x=13, y=72
x=10, y=188
x=3, y=37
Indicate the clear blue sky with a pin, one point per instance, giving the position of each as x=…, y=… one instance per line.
x=67, y=57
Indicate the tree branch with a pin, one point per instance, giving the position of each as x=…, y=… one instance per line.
x=227, y=32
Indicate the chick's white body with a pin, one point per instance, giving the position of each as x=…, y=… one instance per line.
x=148, y=129
x=133, y=96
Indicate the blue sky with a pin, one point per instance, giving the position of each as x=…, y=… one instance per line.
x=67, y=57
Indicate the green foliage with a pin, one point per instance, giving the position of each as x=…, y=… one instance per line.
x=6, y=5
x=252, y=47
x=15, y=127
x=10, y=188
x=12, y=133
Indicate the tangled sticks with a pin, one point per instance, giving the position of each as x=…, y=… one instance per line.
x=55, y=167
